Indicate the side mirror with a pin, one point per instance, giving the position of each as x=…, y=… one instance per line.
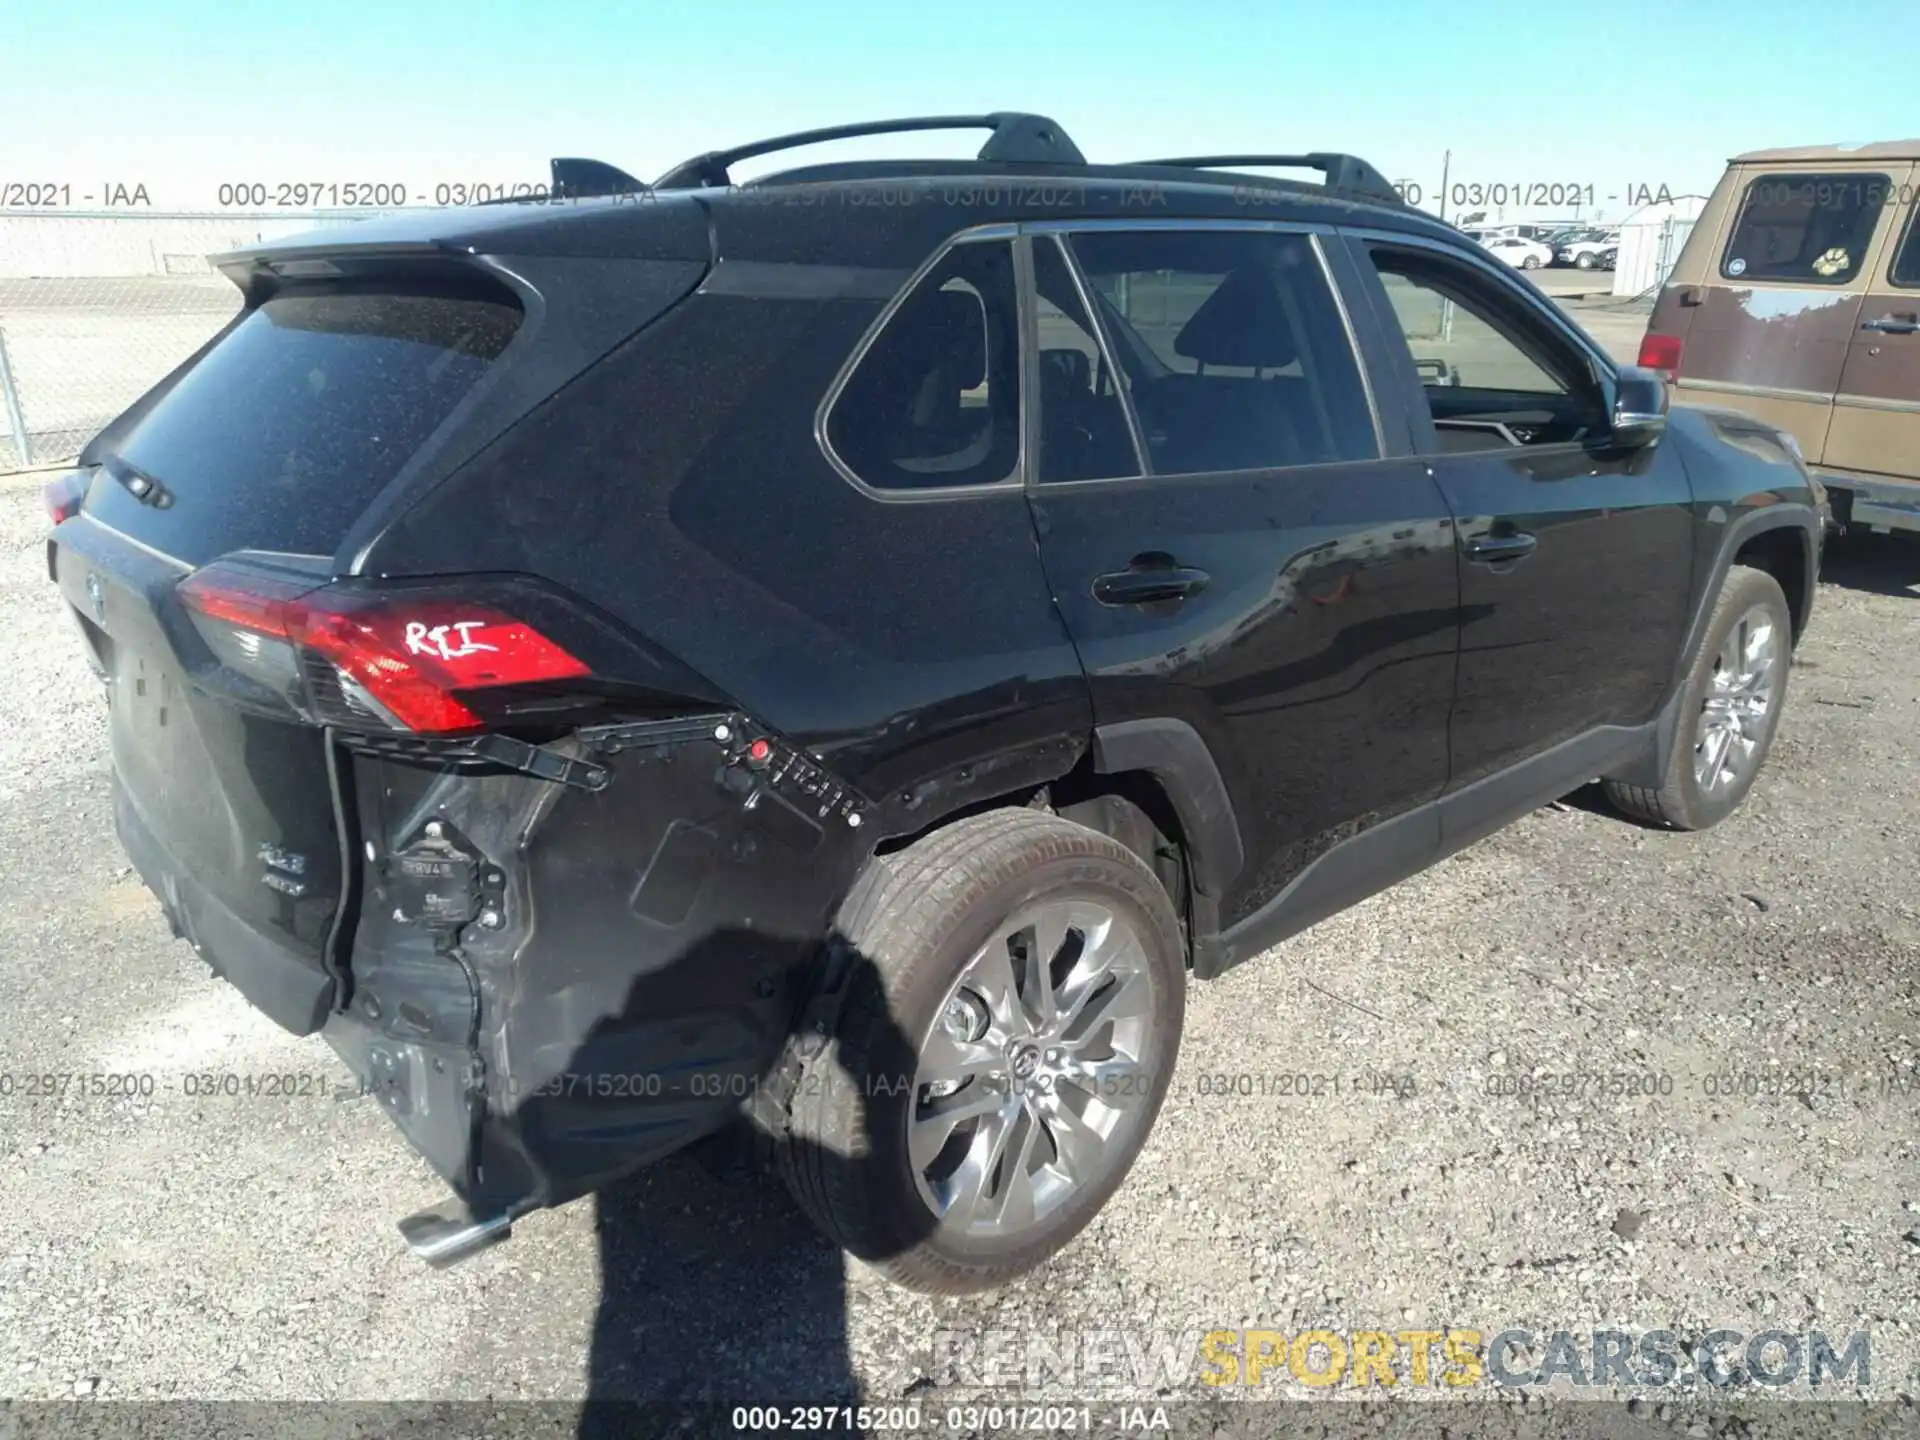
x=1639, y=407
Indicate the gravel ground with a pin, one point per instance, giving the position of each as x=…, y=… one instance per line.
x=179, y=1247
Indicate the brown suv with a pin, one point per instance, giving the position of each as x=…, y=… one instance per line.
x=1797, y=298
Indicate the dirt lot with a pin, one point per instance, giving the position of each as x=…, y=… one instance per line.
x=242, y=1248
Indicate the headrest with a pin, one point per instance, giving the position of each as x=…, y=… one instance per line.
x=1241, y=323
x=951, y=325
x=1066, y=368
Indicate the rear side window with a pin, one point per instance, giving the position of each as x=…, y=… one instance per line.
x=1906, y=261
x=286, y=430
x=1811, y=229
x=1233, y=346
x=935, y=400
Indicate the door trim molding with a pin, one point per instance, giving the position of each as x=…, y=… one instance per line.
x=1765, y=392
x=1877, y=402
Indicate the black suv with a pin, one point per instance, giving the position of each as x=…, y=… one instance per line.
x=846, y=650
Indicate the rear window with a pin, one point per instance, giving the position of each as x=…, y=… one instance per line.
x=285, y=431
x=1811, y=229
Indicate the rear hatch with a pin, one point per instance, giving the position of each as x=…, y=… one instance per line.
x=210, y=569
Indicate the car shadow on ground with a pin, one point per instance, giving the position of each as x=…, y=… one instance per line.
x=716, y=1289
x=1876, y=564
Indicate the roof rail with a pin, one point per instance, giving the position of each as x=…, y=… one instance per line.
x=1017, y=138
x=1343, y=172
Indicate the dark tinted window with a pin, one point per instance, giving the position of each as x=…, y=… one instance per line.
x=1906, y=261
x=935, y=401
x=1233, y=346
x=289, y=426
x=1083, y=422
x=1813, y=229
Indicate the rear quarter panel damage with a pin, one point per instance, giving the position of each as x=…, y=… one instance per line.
x=621, y=973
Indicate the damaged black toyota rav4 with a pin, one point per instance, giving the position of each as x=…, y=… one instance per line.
x=846, y=650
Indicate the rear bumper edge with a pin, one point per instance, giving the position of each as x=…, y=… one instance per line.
x=1880, y=503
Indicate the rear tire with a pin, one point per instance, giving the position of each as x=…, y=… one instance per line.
x=863, y=1153
x=1532, y=262
x=1729, y=710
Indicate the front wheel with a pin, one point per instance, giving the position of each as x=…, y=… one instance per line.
x=1731, y=708
x=1532, y=262
x=1010, y=1026
x=1584, y=261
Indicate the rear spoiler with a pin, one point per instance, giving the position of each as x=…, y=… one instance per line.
x=579, y=179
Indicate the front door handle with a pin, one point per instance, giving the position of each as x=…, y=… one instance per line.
x=1148, y=585
x=1492, y=549
x=1901, y=324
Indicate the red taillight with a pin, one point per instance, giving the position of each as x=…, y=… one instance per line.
x=63, y=496
x=1662, y=353
x=409, y=657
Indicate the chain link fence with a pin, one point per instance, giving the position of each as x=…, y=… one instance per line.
x=96, y=308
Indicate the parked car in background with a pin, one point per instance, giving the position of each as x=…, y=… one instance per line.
x=1543, y=233
x=541, y=763
x=1519, y=252
x=1610, y=257
x=1797, y=298
x=1583, y=250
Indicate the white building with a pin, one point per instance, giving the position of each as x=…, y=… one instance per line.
x=1650, y=241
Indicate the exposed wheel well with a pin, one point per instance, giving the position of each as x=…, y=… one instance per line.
x=1131, y=806
x=1782, y=553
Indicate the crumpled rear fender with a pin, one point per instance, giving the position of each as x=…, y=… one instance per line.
x=554, y=982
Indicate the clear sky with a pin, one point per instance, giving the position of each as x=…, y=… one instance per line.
x=182, y=95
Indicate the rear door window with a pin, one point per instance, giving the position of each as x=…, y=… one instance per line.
x=1234, y=350
x=935, y=400
x=284, y=432
x=1811, y=229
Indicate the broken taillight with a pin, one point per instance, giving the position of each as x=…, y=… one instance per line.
x=1662, y=353
x=345, y=658
x=64, y=496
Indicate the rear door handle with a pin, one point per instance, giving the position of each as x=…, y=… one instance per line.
x=1491, y=549
x=1905, y=324
x=1143, y=585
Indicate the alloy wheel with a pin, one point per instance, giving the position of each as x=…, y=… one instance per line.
x=1031, y=1077
x=1739, y=703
